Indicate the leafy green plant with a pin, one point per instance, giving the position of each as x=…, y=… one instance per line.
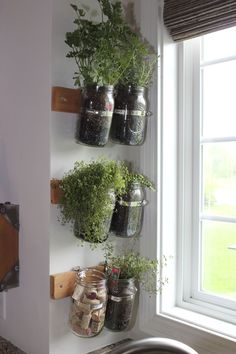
x=99, y=48
x=108, y=52
x=132, y=265
x=86, y=199
x=141, y=67
x=141, y=57
x=143, y=180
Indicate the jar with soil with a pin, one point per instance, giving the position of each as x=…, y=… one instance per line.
x=89, y=300
x=129, y=122
x=103, y=225
x=127, y=218
x=120, y=305
x=94, y=123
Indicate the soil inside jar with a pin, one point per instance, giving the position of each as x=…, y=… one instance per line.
x=129, y=118
x=93, y=125
x=93, y=128
x=118, y=314
x=127, y=220
x=120, y=304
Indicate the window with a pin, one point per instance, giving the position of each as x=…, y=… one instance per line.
x=178, y=313
x=210, y=75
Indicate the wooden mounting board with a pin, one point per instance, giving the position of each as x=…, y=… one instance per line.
x=62, y=284
x=65, y=99
x=55, y=190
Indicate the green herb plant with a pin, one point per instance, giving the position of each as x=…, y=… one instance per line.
x=143, y=180
x=86, y=200
x=142, y=65
x=141, y=59
x=99, y=48
x=145, y=271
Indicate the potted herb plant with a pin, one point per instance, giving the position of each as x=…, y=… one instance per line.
x=129, y=123
x=88, y=197
x=125, y=273
x=101, y=58
x=128, y=214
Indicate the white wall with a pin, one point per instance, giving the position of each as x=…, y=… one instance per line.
x=25, y=35
x=65, y=251
x=31, y=138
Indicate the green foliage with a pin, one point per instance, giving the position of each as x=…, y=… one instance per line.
x=144, y=270
x=86, y=198
x=142, y=64
x=98, y=47
x=141, y=179
x=108, y=52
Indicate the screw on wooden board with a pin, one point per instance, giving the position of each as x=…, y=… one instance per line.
x=63, y=99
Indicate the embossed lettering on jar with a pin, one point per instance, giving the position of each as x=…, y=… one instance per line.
x=94, y=123
x=129, y=122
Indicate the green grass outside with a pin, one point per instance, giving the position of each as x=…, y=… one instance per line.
x=219, y=262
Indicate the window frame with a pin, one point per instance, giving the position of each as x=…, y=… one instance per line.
x=209, y=304
x=165, y=315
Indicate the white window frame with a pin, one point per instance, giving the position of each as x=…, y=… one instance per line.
x=163, y=315
x=208, y=304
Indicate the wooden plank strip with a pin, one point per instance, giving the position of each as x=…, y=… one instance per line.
x=62, y=284
x=56, y=192
x=65, y=99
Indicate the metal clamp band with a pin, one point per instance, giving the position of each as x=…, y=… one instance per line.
x=120, y=298
x=133, y=204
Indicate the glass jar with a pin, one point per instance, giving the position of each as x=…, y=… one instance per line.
x=120, y=305
x=129, y=122
x=103, y=225
x=94, y=124
x=127, y=219
x=89, y=300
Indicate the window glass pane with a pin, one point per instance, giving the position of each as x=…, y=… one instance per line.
x=219, y=44
x=219, y=179
x=219, y=258
x=218, y=99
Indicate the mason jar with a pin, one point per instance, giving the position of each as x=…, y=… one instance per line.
x=120, y=305
x=104, y=224
x=94, y=123
x=89, y=300
x=129, y=122
x=127, y=218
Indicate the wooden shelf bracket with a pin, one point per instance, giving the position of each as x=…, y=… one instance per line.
x=65, y=99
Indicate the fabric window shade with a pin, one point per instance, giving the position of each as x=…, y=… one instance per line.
x=186, y=19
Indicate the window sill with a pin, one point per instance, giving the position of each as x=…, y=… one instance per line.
x=205, y=334
x=202, y=322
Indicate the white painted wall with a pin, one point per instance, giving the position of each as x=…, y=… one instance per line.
x=31, y=139
x=65, y=251
x=25, y=35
